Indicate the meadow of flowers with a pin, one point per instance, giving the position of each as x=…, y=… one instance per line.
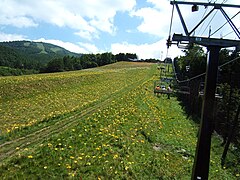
x=126, y=133
x=27, y=100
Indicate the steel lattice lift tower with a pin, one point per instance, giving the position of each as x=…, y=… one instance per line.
x=214, y=45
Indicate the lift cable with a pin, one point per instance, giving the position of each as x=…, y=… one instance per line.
x=170, y=28
x=169, y=34
x=170, y=31
x=224, y=1
x=197, y=76
x=209, y=22
x=229, y=62
x=206, y=8
x=225, y=24
x=230, y=33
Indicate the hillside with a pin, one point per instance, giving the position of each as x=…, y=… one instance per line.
x=99, y=123
x=28, y=52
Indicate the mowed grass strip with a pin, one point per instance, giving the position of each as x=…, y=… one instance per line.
x=136, y=135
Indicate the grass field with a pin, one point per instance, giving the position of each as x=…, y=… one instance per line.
x=101, y=123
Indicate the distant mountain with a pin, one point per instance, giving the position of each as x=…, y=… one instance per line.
x=28, y=52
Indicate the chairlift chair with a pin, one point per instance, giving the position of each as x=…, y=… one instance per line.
x=160, y=88
x=183, y=90
x=167, y=79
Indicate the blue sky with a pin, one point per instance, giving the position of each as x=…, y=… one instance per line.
x=97, y=26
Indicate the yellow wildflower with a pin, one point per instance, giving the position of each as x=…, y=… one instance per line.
x=68, y=166
x=115, y=156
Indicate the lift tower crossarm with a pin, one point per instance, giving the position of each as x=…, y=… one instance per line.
x=206, y=41
x=216, y=5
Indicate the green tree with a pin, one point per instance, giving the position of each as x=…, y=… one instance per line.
x=195, y=61
x=68, y=63
x=76, y=63
x=106, y=58
x=55, y=65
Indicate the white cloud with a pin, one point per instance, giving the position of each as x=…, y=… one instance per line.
x=15, y=14
x=67, y=45
x=11, y=37
x=145, y=51
x=19, y=22
x=90, y=48
x=156, y=19
x=86, y=35
x=88, y=16
x=84, y=48
x=150, y=16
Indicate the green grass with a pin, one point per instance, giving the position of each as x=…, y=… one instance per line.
x=126, y=133
x=27, y=100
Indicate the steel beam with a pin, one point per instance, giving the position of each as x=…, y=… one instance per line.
x=216, y=5
x=202, y=156
x=235, y=29
x=179, y=38
x=182, y=21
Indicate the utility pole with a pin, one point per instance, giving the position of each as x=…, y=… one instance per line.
x=202, y=155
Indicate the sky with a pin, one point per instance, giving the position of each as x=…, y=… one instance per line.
x=117, y=26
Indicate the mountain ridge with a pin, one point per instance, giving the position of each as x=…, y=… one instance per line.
x=26, y=54
x=38, y=47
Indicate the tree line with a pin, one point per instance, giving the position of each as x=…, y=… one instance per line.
x=17, y=63
x=71, y=63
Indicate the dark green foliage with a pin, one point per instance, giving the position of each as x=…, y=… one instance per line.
x=45, y=57
x=39, y=51
x=55, y=65
x=68, y=63
x=125, y=57
x=195, y=58
x=7, y=71
x=30, y=55
x=228, y=81
x=13, y=58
